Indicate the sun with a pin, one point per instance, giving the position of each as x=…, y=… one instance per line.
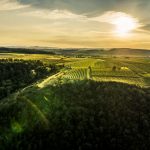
x=125, y=25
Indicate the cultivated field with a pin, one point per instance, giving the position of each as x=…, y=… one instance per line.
x=122, y=69
x=127, y=70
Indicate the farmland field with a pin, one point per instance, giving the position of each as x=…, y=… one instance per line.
x=132, y=70
x=128, y=70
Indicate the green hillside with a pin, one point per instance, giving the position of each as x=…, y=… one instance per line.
x=80, y=115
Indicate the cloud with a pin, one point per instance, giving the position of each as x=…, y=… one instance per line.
x=118, y=19
x=6, y=5
x=54, y=14
x=146, y=27
x=76, y=6
x=91, y=6
x=113, y=17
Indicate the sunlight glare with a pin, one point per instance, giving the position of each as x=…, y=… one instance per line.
x=124, y=25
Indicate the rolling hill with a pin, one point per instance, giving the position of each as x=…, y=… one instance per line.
x=80, y=51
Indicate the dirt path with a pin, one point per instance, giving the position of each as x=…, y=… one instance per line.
x=42, y=84
x=47, y=80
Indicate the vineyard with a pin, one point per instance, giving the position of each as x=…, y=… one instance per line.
x=111, y=69
x=77, y=74
x=84, y=63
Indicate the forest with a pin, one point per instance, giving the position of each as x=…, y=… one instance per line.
x=18, y=73
x=84, y=115
x=25, y=51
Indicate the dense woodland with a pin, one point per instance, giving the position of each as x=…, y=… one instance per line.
x=16, y=74
x=25, y=51
x=84, y=115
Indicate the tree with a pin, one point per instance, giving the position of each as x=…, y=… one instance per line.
x=89, y=73
x=114, y=68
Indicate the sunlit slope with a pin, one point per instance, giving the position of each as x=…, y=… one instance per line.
x=128, y=70
x=85, y=114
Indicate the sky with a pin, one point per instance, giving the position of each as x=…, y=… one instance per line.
x=75, y=23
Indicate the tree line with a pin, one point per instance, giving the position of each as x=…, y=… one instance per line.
x=26, y=51
x=18, y=73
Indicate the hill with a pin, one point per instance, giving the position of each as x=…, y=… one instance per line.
x=102, y=52
x=79, y=52
x=129, y=52
x=83, y=115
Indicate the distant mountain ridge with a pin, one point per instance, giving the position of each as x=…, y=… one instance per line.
x=127, y=51
x=79, y=51
x=110, y=52
x=24, y=50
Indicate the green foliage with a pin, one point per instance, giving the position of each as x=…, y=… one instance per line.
x=16, y=74
x=16, y=128
x=84, y=115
